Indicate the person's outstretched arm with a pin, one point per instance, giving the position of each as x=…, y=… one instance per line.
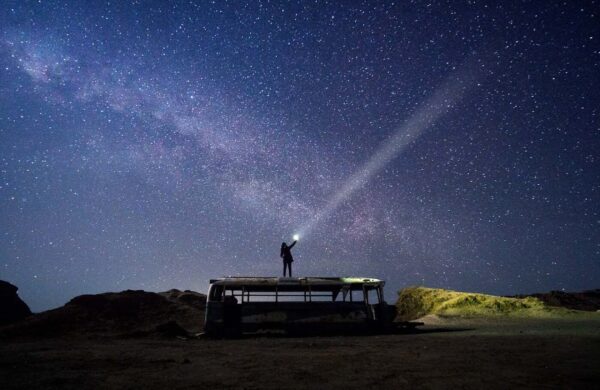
x=293, y=243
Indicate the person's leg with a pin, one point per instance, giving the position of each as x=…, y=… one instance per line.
x=290, y=263
x=284, y=265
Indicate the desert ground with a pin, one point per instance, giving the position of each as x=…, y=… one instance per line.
x=445, y=353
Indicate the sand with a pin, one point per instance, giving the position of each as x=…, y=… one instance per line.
x=458, y=353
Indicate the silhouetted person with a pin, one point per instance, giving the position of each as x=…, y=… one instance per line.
x=286, y=255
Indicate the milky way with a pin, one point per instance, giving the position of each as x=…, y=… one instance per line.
x=154, y=145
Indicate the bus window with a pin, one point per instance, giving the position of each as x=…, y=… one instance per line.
x=357, y=296
x=292, y=296
x=262, y=296
x=272, y=295
x=232, y=296
x=372, y=296
x=216, y=294
x=321, y=296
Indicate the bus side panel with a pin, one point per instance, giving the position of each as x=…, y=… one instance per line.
x=213, y=318
x=303, y=316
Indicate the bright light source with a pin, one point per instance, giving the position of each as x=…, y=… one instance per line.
x=296, y=237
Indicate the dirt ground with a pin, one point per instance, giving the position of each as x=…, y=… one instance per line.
x=445, y=354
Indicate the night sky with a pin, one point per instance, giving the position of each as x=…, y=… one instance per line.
x=154, y=145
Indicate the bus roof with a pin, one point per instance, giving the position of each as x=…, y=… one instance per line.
x=309, y=281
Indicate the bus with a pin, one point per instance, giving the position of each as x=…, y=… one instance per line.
x=237, y=305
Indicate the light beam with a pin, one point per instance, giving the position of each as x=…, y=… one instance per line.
x=444, y=98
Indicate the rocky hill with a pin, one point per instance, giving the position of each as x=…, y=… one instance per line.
x=585, y=300
x=124, y=314
x=12, y=308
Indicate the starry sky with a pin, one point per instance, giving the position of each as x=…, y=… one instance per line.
x=154, y=145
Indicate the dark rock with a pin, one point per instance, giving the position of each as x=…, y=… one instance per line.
x=188, y=297
x=12, y=308
x=171, y=329
x=585, y=300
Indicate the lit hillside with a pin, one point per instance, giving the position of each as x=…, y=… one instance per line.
x=415, y=302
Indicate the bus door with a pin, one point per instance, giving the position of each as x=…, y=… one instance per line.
x=232, y=312
x=372, y=301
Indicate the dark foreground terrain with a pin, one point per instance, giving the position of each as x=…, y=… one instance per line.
x=481, y=353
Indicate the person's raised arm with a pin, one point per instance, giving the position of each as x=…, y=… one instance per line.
x=293, y=243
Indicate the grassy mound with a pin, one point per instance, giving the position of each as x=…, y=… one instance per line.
x=416, y=302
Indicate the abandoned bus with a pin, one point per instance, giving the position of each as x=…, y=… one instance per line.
x=312, y=304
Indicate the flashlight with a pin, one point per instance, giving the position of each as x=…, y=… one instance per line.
x=296, y=237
